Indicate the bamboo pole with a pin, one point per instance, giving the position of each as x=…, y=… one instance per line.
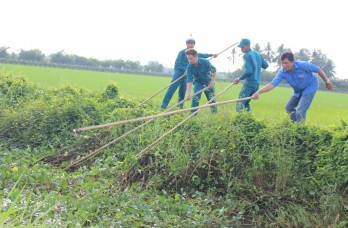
x=224, y=50
x=132, y=120
x=190, y=116
x=143, y=102
x=122, y=122
x=94, y=153
x=162, y=89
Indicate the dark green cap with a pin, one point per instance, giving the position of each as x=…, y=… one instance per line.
x=244, y=42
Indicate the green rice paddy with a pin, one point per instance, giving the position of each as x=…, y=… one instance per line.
x=328, y=108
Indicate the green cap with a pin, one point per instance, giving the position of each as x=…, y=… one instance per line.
x=190, y=39
x=244, y=42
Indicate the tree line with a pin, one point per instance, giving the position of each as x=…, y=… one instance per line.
x=63, y=60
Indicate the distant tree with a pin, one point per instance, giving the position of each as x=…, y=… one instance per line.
x=153, y=66
x=235, y=74
x=93, y=62
x=119, y=64
x=61, y=58
x=320, y=59
x=107, y=64
x=13, y=56
x=3, y=52
x=267, y=76
x=82, y=61
x=34, y=55
x=277, y=56
x=303, y=55
x=132, y=65
x=257, y=48
x=329, y=69
x=268, y=53
x=232, y=57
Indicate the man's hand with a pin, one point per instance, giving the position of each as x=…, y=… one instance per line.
x=211, y=84
x=215, y=55
x=188, y=97
x=236, y=81
x=256, y=95
x=329, y=86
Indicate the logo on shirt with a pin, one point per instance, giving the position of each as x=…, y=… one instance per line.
x=301, y=76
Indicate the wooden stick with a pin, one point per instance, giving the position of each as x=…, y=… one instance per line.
x=190, y=116
x=122, y=122
x=224, y=50
x=143, y=102
x=167, y=133
x=94, y=153
x=162, y=89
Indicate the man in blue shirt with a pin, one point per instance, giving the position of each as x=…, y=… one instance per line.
x=253, y=62
x=179, y=70
x=201, y=73
x=300, y=75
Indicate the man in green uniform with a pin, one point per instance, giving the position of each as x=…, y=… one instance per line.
x=179, y=70
x=201, y=73
x=253, y=62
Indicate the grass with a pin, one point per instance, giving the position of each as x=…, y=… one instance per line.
x=214, y=171
x=327, y=108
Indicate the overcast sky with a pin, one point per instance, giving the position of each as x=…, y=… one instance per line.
x=156, y=30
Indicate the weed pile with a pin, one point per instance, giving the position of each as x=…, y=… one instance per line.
x=216, y=170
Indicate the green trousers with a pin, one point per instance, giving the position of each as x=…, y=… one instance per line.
x=246, y=91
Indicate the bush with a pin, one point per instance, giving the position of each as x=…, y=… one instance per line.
x=14, y=89
x=29, y=118
x=111, y=92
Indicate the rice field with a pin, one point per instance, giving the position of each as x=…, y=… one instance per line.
x=327, y=109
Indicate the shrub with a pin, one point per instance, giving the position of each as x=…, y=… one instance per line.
x=111, y=92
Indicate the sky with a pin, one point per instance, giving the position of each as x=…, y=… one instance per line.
x=156, y=30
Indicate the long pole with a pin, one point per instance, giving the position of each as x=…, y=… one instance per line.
x=122, y=122
x=132, y=120
x=162, y=89
x=94, y=153
x=143, y=102
x=224, y=50
x=190, y=116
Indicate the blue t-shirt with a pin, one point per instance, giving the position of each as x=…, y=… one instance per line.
x=302, y=79
x=253, y=62
x=200, y=73
x=181, y=61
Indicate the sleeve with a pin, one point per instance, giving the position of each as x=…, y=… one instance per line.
x=248, y=70
x=264, y=64
x=204, y=55
x=208, y=65
x=277, y=79
x=179, y=61
x=212, y=67
x=189, y=76
x=307, y=66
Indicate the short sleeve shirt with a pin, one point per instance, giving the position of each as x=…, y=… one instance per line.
x=302, y=79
